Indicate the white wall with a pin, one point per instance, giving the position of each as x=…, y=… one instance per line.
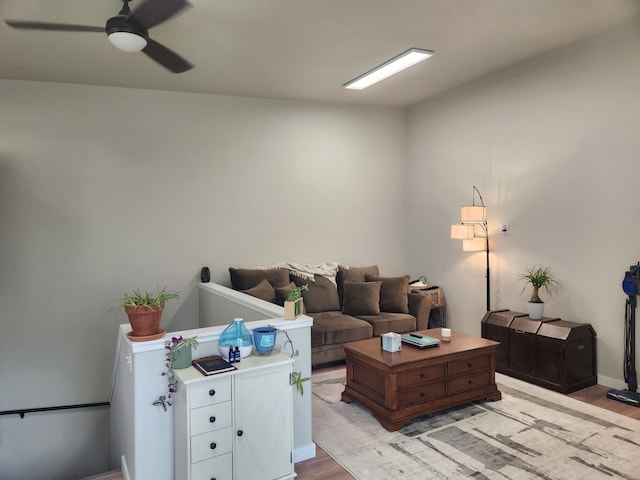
x=105, y=189
x=553, y=147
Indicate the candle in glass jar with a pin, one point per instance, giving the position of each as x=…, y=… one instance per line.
x=446, y=334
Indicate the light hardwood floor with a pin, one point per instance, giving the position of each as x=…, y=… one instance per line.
x=323, y=467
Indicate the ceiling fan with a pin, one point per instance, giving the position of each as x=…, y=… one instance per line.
x=129, y=31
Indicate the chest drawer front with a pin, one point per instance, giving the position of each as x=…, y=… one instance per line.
x=213, y=417
x=421, y=394
x=210, y=392
x=469, y=365
x=217, y=468
x=469, y=382
x=211, y=444
x=420, y=375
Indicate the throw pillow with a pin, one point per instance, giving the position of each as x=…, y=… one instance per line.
x=361, y=298
x=393, y=293
x=322, y=295
x=353, y=274
x=263, y=290
x=283, y=292
x=246, y=278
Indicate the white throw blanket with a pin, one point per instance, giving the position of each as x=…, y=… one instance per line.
x=326, y=269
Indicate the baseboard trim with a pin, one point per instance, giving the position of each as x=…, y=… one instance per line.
x=611, y=382
x=304, y=453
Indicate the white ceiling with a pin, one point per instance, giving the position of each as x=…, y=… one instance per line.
x=303, y=49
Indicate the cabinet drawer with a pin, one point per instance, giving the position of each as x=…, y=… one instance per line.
x=217, y=468
x=212, y=417
x=210, y=392
x=469, y=365
x=427, y=374
x=421, y=394
x=211, y=444
x=469, y=382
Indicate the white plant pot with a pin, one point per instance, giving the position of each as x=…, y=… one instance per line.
x=535, y=310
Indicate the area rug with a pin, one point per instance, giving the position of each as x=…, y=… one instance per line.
x=532, y=433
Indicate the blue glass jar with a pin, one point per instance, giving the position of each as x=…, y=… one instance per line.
x=235, y=335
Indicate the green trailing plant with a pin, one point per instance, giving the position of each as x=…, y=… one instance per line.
x=296, y=292
x=136, y=298
x=173, y=346
x=538, y=277
x=295, y=378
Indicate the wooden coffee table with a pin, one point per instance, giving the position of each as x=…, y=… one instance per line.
x=397, y=387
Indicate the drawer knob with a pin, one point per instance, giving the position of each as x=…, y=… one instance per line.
x=469, y=382
x=213, y=478
x=212, y=419
x=212, y=392
x=469, y=365
x=240, y=433
x=213, y=445
x=422, y=375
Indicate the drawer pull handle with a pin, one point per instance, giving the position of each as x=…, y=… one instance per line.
x=240, y=433
x=469, y=365
x=212, y=392
x=213, y=445
x=212, y=419
x=422, y=375
x=469, y=382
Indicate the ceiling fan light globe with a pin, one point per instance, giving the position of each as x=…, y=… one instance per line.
x=127, y=41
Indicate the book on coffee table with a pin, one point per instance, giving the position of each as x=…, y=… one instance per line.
x=420, y=341
x=212, y=365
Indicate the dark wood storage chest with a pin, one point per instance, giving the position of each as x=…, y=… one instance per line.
x=550, y=352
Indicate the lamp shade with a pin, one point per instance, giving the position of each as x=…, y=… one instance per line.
x=462, y=232
x=473, y=214
x=477, y=244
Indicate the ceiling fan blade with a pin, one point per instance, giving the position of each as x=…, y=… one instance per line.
x=20, y=25
x=153, y=12
x=166, y=57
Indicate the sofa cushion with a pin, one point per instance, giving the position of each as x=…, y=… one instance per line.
x=322, y=295
x=353, y=274
x=336, y=328
x=390, y=322
x=393, y=293
x=246, y=278
x=361, y=298
x=262, y=290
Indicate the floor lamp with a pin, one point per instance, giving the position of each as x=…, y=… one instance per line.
x=471, y=217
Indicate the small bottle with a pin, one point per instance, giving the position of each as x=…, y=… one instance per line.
x=236, y=355
x=231, y=355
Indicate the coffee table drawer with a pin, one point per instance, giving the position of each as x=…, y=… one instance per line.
x=469, y=382
x=421, y=394
x=469, y=364
x=421, y=375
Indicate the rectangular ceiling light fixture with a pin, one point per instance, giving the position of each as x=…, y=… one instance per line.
x=391, y=67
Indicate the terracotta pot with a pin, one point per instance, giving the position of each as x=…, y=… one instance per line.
x=145, y=321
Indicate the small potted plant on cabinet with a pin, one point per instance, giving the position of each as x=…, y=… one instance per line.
x=539, y=276
x=293, y=306
x=145, y=311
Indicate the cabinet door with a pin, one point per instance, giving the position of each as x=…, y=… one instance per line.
x=264, y=425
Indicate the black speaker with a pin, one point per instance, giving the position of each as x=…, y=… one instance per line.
x=205, y=275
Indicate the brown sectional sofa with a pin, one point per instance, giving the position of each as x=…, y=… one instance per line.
x=360, y=304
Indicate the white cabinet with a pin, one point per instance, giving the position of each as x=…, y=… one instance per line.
x=236, y=425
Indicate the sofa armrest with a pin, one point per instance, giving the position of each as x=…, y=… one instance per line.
x=420, y=307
